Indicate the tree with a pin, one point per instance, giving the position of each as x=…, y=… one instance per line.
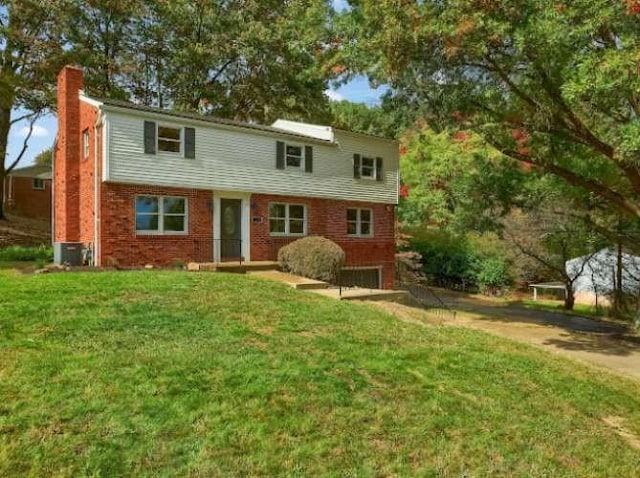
x=362, y=118
x=30, y=57
x=44, y=157
x=550, y=84
x=252, y=60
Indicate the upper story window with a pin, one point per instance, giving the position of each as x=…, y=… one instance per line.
x=169, y=139
x=161, y=215
x=287, y=219
x=159, y=138
x=85, y=144
x=294, y=156
x=359, y=222
x=367, y=167
x=38, y=183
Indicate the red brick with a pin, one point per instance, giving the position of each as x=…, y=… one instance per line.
x=27, y=201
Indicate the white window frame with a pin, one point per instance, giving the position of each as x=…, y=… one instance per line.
x=85, y=144
x=302, y=156
x=358, y=222
x=287, y=220
x=374, y=169
x=179, y=141
x=161, y=214
x=40, y=181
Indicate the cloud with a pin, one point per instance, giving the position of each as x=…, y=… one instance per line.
x=38, y=132
x=333, y=95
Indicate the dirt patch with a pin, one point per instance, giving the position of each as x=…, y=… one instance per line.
x=617, y=424
x=21, y=231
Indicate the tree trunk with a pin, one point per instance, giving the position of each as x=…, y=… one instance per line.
x=5, y=127
x=569, y=297
x=2, y=179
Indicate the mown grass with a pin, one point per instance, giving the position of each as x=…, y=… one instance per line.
x=558, y=306
x=26, y=254
x=174, y=374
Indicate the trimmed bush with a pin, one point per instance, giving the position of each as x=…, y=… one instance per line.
x=314, y=257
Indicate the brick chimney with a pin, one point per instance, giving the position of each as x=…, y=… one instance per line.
x=67, y=157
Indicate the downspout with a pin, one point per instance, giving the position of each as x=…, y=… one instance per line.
x=96, y=195
x=53, y=191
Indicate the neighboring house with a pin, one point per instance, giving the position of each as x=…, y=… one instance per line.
x=27, y=192
x=137, y=185
x=598, y=275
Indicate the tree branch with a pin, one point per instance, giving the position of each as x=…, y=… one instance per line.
x=25, y=144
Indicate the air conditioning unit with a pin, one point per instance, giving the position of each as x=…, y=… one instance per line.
x=67, y=253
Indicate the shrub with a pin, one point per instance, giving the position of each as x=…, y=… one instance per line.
x=26, y=254
x=313, y=257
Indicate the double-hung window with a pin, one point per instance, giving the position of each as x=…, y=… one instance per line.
x=294, y=156
x=360, y=222
x=287, y=219
x=161, y=215
x=85, y=144
x=368, y=168
x=38, y=183
x=169, y=139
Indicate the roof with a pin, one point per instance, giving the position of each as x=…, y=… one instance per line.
x=42, y=171
x=209, y=119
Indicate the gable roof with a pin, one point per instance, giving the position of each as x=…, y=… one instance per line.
x=118, y=104
x=41, y=171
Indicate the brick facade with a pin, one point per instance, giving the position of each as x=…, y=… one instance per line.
x=120, y=245
x=25, y=200
x=328, y=218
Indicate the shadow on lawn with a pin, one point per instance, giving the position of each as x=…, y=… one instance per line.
x=614, y=344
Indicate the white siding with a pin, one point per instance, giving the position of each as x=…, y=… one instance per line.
x=233, y=159
x=314, y=130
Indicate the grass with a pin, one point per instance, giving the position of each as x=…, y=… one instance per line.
x=558, y=306
x=173, y=374
x=26, y=254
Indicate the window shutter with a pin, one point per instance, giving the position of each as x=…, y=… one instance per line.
x=150, y=137
x=308, y=159
x=190, y=143
x=280, y=155
x=378, y=169
x=356, y=166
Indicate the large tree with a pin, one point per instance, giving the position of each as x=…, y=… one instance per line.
x=30, y=57
x=251, y=60
x=551, y=84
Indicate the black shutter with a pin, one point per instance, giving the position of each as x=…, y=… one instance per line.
x=378, y=169
x=150, y=137
x=308, y=159
x=356, y=166
x=279, y=154
x=190, y=143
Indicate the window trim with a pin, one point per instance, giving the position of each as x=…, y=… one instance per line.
x=38, y=188
x=86, y=144
x=287, y=220
x=358, y=221
x=303, y=156
x=374, y=170
x=180, y=151
x=160, y=231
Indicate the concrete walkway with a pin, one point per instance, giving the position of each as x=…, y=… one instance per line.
x=323, y=288
x=587, y=340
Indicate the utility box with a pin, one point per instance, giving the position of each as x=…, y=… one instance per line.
x=67, y=253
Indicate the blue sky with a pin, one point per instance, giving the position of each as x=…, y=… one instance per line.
x=357, y=91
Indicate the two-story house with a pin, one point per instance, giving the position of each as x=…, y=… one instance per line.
x=135, y=185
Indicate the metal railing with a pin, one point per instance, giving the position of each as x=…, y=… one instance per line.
x=415, y=283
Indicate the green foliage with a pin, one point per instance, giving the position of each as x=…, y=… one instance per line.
x=314, y=257
x=26, y=254
x=461, y=261
x=44, y=157
x=253, y=60
x=550, y=84
x=362, y=118
x=454, y=180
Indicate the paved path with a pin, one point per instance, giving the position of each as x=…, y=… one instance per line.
x=589, y=340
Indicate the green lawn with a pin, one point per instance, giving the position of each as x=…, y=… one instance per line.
x=558, y=306
x=174, y=374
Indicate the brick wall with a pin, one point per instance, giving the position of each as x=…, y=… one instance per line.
x=120, y=245
x=328, y=218
x=86, y=167
x=27, y=201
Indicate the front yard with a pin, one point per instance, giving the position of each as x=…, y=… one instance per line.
x=170, y=374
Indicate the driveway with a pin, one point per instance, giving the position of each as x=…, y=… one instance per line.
x=597, y=342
